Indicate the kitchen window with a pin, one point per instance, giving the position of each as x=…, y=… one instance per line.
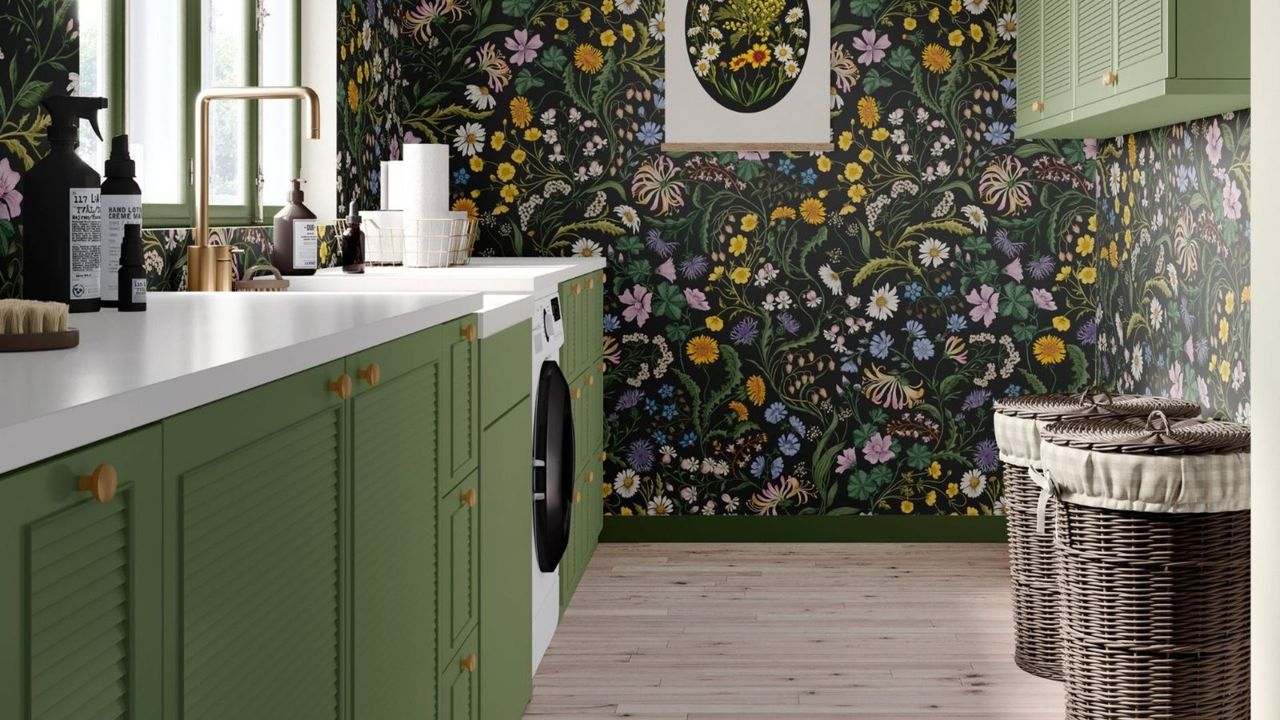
x=152, y=57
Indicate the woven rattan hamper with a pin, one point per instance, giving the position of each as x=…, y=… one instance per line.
x=1033, y=566
x=1152, y=537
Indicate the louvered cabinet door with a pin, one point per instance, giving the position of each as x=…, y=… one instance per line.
x=394, y=448
x=1058, y=20
x=1143, y=32
x=254, y=495
x=80, y=584
x=1030, y=62
x=1096, y=76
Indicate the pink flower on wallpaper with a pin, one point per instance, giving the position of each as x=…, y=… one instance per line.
x=1213, y=143
x=1189, y=347
x=986, y=303
x=1175, y=381
x=879, y=449
x=1202, y=388
x=10, y=198
x=1091, y=149
x=523, y=48
x=697, y=299
x=872, y=46
x=1014, y=269
x=636, y=304
x=846, y=461
x=668, y=270
x=1043, y=299
x=1231, y=199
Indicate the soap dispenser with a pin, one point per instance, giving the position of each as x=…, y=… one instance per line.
x=295, y=243
x=353, y=243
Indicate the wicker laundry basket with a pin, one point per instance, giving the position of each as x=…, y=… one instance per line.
x=1018, y=422
x=1152, y=538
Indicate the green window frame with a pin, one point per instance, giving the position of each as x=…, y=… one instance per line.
x=255, y=210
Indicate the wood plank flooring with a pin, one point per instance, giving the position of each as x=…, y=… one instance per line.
x=869, y=631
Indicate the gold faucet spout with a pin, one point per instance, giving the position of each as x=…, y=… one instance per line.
x=209, y=268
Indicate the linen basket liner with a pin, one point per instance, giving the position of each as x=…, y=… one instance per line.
x=1020, y=420
x=1148, y=465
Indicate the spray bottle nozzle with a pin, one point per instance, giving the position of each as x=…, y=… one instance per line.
x=66, y=112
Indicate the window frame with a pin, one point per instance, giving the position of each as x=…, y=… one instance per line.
x=255, y=210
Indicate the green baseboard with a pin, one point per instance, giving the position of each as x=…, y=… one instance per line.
x=844, y=528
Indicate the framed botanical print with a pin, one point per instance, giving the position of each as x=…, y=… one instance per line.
x=748, y=75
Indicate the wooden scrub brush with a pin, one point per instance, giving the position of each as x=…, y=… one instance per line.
x=275, y=283
x=29, y=325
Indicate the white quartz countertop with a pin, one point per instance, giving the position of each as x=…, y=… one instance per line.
x=537, y=276
x=190, y=349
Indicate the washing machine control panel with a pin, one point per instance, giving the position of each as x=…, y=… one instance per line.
x=548, y=327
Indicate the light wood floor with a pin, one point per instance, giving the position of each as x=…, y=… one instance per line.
x=870, y=631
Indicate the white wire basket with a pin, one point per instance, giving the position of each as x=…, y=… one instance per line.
x=383, y=236
x=440, y=242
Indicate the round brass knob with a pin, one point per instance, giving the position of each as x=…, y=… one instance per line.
x=372, y=374
x=602, y=367
x=602, y=276
x=1037, y=106
x=469, y=663
x=1110, y=77
x=591, y=379
x=603, y=456
x=591, y=283
x=468, y=498
x=101, y=483
x=577, y=393
x=591, y=476
x=577, y=288
x=577, y=496
x=341, y=387
x=469, y=333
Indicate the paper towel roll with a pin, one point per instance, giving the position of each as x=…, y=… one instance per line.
x=384, y=186
x=396, y=184
x=426, y=182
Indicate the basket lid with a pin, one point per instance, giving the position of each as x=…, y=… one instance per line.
x=1155, y=434
x=1092, y=403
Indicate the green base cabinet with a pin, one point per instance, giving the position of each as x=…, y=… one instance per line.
x=1102, y=68
x=80, y=632
x=460, y=685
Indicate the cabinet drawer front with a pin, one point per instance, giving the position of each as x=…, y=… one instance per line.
x=393, y=359
x=255, y=578
x=505, y=371
x=393, y=531
x=459, y=562
x=80, y=600
x=462, y=384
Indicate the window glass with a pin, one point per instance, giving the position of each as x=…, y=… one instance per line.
x=91, y=80
x=155, y=91
x=278, y=130
x=224, y=63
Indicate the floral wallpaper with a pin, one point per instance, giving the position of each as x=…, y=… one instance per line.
x=1172, y=248
x=39, y=57
x=786, y=333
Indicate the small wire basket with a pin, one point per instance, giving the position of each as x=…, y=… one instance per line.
x=440, y=242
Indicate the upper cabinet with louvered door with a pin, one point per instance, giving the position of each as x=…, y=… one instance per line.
x=1135, y=64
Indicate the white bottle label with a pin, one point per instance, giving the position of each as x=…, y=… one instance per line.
x=117, y=211
x=306, y=244
x=85, y=223
x=139, y=291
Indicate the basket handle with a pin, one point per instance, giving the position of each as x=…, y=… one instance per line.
x=248, y=274
x=1048, y=491
x=1157, y=423
x=1096, y=396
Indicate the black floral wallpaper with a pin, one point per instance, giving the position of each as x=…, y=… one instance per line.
x=1173, y=253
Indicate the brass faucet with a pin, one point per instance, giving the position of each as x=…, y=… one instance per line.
x=209, y=266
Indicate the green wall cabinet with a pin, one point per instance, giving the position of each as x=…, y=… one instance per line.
x=80, y=597
x=1101, y=68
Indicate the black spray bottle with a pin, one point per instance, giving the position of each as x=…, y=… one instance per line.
x=353, y=243
x=121, y=206
x=131, y=278
x=62, y=237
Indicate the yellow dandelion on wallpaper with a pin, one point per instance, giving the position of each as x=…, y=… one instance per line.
x=935, y=58
x=868, y=111
x=702, y=350
x=1049, y=350
x=755, y=390
x=588, y=58
x=813, y=211
x=521, y=112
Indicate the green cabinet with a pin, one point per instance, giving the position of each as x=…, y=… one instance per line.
x=80, y=631
x=460, y=685
x=395, y=481
x=461, y=444
x=458, y=551
x=254, y=531
x=1100, y=68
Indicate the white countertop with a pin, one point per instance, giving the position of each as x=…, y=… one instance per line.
x=537, y=276
x=187, y=350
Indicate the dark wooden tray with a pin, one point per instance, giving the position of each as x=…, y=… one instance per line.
x=33, y=342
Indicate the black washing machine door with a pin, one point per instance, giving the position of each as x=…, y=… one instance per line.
x=552, y=466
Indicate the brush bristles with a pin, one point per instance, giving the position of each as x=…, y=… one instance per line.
x=30, y=317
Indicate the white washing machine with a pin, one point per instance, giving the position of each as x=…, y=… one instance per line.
x=553, y=452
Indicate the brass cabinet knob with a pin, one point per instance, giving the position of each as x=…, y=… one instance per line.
x=602, y=277
x=591, y=476
x=602, y=367
x=468, y=497
x=469, y=332
x=470, y=663
x=1110, y=77
x=372, y=374
x=591, y=283
x=341, y=387
x=591, y=379
x=1037, y=106
x=577, y=496
x=577, y=393
x=603, y=455
x=101, y=483
x=576, y=289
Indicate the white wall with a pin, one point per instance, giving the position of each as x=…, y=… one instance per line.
x=320, y=73
x=1265, y=339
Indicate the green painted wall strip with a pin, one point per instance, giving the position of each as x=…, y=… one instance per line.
x=883, y=528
